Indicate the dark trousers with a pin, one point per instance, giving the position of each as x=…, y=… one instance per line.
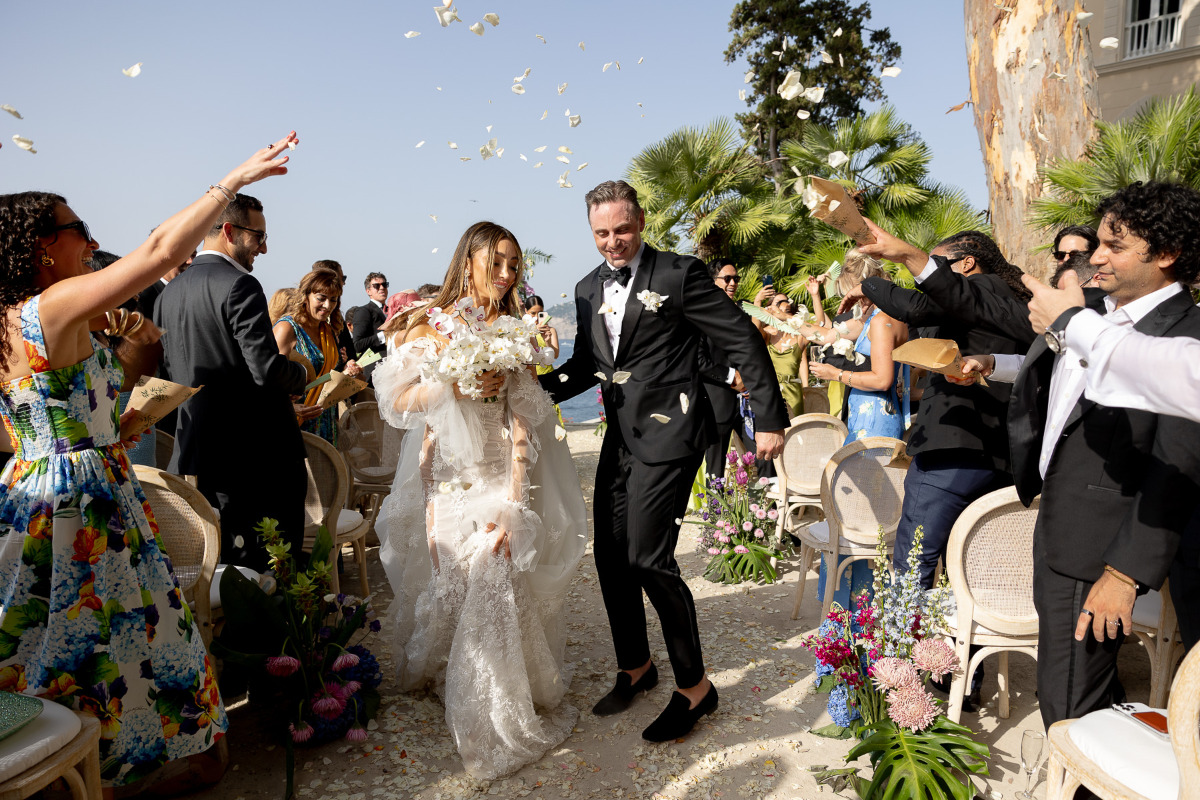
x=1185, y=594
x=635, y=511
x=1073, y=678
x=276, y=492
x=937, y=487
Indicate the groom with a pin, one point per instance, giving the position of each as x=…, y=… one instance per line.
x=642, y=315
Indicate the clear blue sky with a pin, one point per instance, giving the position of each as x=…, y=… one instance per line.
x=221, y=79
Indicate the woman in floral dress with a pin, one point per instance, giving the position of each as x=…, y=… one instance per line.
x=91, y=612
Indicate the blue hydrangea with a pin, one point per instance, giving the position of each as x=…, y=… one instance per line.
x=839, y=706
x=366, y=671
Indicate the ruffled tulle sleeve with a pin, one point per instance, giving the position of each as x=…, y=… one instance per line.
x=409, y=398
x=528, y=407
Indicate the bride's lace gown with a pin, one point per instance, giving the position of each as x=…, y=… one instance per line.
x=488, y=634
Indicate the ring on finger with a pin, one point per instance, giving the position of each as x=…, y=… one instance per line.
x=1112, y=623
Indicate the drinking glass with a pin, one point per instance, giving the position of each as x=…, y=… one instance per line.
x=815, y=357
x=1033, y=744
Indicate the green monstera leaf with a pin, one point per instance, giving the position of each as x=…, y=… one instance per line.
x=932, y=764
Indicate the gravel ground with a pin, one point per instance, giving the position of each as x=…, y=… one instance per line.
x=756, y=745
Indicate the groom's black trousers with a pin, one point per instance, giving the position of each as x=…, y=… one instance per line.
x=635, y=509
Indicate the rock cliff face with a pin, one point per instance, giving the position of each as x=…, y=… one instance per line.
x=563, y=320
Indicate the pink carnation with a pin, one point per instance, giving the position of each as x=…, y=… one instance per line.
x=773, y=514
x=912, y=707
x=894, y=673
x=712, y=551
x=357, y=733
x=934, y=656
x=741, y=548
x=747, y=526
x=282, y=666
x=301, y=731
x=344, y=660
x=760, y=514
x=758, y=533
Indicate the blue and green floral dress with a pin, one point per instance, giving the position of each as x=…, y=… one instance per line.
x=91, y=613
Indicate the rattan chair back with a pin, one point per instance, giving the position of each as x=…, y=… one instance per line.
x=807, y=447
x=862, y=489
x=360, y=433
x=328, y=484
x=164, y=446
x=989, y=560
x=816, y=400
x=1183, y=721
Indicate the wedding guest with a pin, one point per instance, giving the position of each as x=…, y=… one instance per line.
x=547, y=334
x=1073, y=240
x=1080, y=264
x=280, y=302
x=69, y=489
x=721, y=382
x=368, y=317
x=219, y=337
x=789, y=354
x=306, y=329
x=393, y=328
x=429, y=291
x=345, y=340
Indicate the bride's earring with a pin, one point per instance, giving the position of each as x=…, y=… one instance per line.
x=47, y=261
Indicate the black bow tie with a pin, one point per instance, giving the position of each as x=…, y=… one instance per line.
x=621, y=275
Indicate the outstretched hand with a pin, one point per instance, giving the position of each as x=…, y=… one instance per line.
x=893, y=249
x=850, y=299
x=1049, y=304
x=271, y=160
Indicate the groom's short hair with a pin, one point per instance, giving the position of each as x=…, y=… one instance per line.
x=612, y=192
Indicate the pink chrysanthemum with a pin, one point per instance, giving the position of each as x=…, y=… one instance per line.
x=301, y=732
x=912, y=707
x=741, y=548
x=894, y=673
x=772, y=514
x=357, y=733
x=282, y=666
x=350, y=688
x=344, y=661
x=713, y=551
x=934, y=656
x=328, y=705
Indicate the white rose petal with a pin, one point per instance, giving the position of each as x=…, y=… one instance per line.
x=606, y=66
x=841, y=61
x=621, y=376
x=518, y=88
x=741, y=95
x=683, y=401
x=574, y=119
x=663, y=418
x=565, y=149
x=23, y=143
x=292, y=145
x=420, y=143
x=1084, y=16
x=639, y=105
x=412, y=34
x=749, y=76
x=544, y=115
x=133, y=71
x=814, y=94
x=617, y=64
x=446, y=15
x=524, y=75
x=564, y=294
x=476, y=28
x=605, y=308
x=563, y=159
x=238, y=541
x=833, y=205
x=11, y=110
x=826, y=58
x=890, y=72
x=581, y=47
x=433, y=217
x=1110, y=43
x=538, y=164
x=453, y=145
x=560, y=433
x=791, y=88
x=581, y=166
x=563, y=378
x=523, y=158
x=599, y=375
x=837, y=158
x=539, y=149
x=838, y=32
x=491, y=19
x=464, y=158
x=640, y=60
x=802, y=114
x=539, y=36
x=434, y=250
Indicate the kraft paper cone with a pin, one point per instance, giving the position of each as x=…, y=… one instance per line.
x=834, y=206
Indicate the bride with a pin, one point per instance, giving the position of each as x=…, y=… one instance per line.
x=483, y=529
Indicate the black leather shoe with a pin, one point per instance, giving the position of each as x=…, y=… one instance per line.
x=677, y=719
x=622, y=695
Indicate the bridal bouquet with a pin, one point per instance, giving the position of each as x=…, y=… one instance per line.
x=475, y=346
x=876, y=664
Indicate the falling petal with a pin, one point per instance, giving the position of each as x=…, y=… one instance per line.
x=1083, y=16
x=833, y=205
x=663, y=418
x=499, y=152
x=292, y=145
x=476, y=28
x=563, y=378
x=1060, y=76
x=581, y=166
x=858, y=311
x=523, y=158
x=464, y=158
x=539, y=36
x=617, y=64
x=518, y=88
x=562, y=87
x=1035, y=63
x=683, y=401
x=133, y=71
x=621, y=376
x=524, y=75
x=581, y=47
x=446, y=15
x=814, y=94
x=741, y=94
x=23, y=143
x=791, y=87
x=563, y=181
x=837, y=158
x=560, y=432
x=538, y=164
x=1110, y=43
x=575, y=120
x=826, y=58
x=239, y=541
x=11, y=110
x=539, y=149
x=491, y=19
x=802, y=114
x=505, y=434
x=841, y=61
x=564, y=294
x=420, y=143
x=489, y=128
x=640, y=60
x=563, y=159
x=838, y=32
x=599, y=375
x=453, y=145
x=438, y=88
x=749, y=76
x=434, y=250
x=890, y=72
x=544, y=115
x=605, y=308
x=412, y=34
x=776, y=52
x=565, y=149
x=433, y=217
x=606, y=66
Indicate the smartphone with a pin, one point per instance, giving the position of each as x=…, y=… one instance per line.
x=543, y=318
x=1154, y=720
x=768, y=282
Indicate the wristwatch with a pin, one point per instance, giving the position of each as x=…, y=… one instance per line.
x=1056, y=334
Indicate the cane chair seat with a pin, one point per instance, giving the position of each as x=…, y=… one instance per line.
x=325, y=504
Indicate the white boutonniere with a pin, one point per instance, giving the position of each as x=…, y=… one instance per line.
x=651, y=300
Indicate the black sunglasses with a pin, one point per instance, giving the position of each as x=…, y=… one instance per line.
x=1063, y=255
x=79, y=226
x=728, y=278
x=262, y=235
x=380, y=285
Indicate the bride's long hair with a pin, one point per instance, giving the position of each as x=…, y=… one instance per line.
x=457, y=283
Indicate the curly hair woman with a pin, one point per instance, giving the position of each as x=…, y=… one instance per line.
x=91, y=612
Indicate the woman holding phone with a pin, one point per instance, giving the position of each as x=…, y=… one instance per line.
x=536, y=307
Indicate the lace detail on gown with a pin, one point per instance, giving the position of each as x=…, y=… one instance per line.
x=486, y=633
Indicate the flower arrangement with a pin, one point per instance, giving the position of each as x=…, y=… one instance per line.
x=876, y=664
x=602, y=425
x=738, y=520
x=476, y=346
x=303, y=643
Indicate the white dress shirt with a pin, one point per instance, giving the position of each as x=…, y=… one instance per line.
x=1070, y=370
x=615, y=297
x=379, y=334
x=239, y=267
x=1128, y=369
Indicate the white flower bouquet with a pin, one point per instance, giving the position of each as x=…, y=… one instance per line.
x=475, y=346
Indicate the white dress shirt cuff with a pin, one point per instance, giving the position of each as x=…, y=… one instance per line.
x=732, y=376
x=1082, y=331
x=1007, y=367
x=382, y=338
x=930, y=268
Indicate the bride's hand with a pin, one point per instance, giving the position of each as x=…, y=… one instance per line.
x=489, y=384
x=503, y=539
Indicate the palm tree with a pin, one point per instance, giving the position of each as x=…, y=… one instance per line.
x=703, y=190
x=1159, y=143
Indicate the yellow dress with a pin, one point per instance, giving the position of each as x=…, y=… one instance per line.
x=787, y=367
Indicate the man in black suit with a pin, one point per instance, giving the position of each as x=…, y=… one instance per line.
x=146, y=301
x=1118, y=486
x=722, y=383
x=238, y=435
x=366, y=319
x=642, y=315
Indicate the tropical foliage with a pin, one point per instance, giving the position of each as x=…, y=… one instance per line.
x=739, y=524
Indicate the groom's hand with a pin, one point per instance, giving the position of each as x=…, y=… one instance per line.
x=768, y=443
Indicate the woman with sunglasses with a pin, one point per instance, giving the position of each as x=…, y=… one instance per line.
x=92, y=615
x=1074, y=240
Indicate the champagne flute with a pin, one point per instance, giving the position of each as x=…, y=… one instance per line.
x=1033, y=744
x=815, y=357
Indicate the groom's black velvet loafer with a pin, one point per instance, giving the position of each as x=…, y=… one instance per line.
x=677, y=719
x=622, y=695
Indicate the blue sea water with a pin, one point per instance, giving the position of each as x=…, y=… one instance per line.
x=582, y=407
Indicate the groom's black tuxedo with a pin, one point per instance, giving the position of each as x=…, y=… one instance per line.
x=646, y=465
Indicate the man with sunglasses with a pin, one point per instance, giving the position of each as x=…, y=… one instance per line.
x=237, y=435
x=366, y=319
x=721, y=381
x=1076, y=242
